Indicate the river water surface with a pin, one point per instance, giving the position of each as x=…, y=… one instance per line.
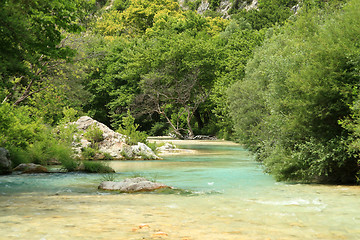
x=228, y=197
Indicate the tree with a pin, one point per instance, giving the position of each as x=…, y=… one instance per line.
x=268, y=13
x=237, y=44
x=136, y=18
x=179, y=73
x=32, y=42
x=298, y=86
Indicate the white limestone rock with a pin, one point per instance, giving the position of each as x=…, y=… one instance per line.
x=113, y=143
x=130, y=185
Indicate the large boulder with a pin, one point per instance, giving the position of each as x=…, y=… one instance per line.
x=130, y=185
x=5, y=162
x=31, y=168
x=113, y=143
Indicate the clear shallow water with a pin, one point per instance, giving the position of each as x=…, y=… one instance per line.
x=230, y=198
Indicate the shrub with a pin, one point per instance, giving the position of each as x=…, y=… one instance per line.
x=109, y=177
x=17, y=155
x=129, y=129
x=126, y=155
x=94, y=134
x=153, y=146
x=107, y=156
x=88, y=153
x=70, y=164
x=17, y=128
x=97, y=167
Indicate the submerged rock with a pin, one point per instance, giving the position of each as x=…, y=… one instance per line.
x=5, y=162
x=130, y=185
x=31, y=168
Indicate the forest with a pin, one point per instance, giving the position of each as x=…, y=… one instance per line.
x=281, y=78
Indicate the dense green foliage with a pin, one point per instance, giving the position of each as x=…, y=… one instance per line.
x=281, y=78
x=31, y=43
x=130, y=129
x=299, y=87
x=29, y=139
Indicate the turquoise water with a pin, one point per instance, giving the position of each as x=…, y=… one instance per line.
x=222, y=169
x=228, y=197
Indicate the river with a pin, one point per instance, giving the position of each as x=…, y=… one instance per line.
x=227, y=197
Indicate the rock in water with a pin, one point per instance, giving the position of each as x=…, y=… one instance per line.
x=31, y=168
x=5, y=162
x=130, y=185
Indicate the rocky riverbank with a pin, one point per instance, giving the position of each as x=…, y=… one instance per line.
x=112, y=143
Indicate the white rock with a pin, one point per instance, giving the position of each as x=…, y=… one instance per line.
x=138, y=184
x=113, y=142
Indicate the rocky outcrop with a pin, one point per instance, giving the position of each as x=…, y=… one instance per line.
x=31, y=168
x=113, y=143
x=142, y=150
x=5, y=162
x=252, y=5
x=224, y=6
x=130, y=185
x=204, y=6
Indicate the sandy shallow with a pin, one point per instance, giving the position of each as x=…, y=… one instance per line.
x=231, y=199
x=181, y=145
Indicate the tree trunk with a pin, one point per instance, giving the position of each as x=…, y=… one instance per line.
x=188, y=121
x=176, y=130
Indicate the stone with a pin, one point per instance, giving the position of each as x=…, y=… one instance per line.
x=144, y=151
x=5, y=162
x=31, y=168
x=130, y=185
x=113, y=143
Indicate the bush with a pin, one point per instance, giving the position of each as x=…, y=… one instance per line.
x=70, y=164
x=107, y=156
x=126, y=155
x=17, y=128
x=17, y=156
x=97, y=167
x=152, y=146
x=129, y=129
x=109, y=177
x=88, y=153
x=28, y=139
x=94, y=134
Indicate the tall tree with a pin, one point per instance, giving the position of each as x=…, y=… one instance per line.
x=298, y=87
x=179, y=77
x=32, y=41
